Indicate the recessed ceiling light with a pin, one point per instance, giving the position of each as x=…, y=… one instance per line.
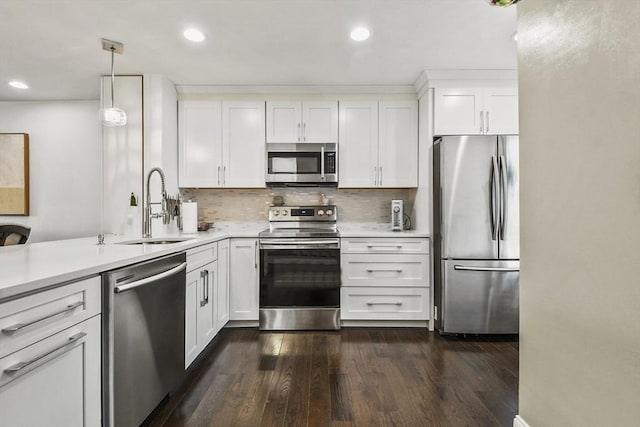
x=515, y=37
x=193, y=34
x=359, y=34
x=18, y=85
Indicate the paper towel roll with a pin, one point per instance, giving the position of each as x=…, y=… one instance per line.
x=189, y=217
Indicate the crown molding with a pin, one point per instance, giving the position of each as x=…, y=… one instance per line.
x=434, y=78
x=296, y=89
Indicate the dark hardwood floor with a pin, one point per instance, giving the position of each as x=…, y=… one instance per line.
x=355, y=377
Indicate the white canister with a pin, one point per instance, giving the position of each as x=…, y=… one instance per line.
x=189, y=217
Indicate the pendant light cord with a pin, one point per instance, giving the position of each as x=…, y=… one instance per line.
x=113, y=49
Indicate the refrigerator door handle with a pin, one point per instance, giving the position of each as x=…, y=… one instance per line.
x=503, y=194
x=497, y=269
x=492, y=197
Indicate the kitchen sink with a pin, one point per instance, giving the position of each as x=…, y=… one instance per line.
x=156, y=241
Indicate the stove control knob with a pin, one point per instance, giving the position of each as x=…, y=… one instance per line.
x=276, y=212
x=329, y=212
x=284, y=212
x=320, y=212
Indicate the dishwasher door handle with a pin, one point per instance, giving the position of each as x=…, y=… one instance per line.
x=150, y=279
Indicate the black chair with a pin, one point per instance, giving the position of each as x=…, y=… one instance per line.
x=13, y=234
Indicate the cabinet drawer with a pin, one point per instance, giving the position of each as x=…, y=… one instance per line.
x=29, y=319
x=201, y=255
x=384, y=270
x=364, y=303
x=387, y=245
x=54, y=382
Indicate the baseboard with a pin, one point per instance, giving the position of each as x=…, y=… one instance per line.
x=384, y=324
x=518, y=421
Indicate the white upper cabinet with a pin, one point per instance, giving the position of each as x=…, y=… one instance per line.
x=501, y=111
x=302, y=121
x=243, y=144
x=378, y=144
x=398, y=144
x=199, y=143
x=358, y=156
x=476, y=111
x=221, y=144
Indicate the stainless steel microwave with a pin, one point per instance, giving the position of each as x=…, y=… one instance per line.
x=302, y=164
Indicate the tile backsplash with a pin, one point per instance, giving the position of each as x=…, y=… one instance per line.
x=354, y=205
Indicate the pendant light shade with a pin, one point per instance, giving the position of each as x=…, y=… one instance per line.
x=502, y=3
x=112, y=116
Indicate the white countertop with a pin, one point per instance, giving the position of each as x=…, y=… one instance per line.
x=375, y=229
x=36, y=266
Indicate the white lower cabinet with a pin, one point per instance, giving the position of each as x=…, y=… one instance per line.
x=385, y=279
x=382, y=303
x=244, y=272
x=54, y=380
x=222, y=285
x=200, y=305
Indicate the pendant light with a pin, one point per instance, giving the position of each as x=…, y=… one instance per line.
x=112, y=116
x=502, y=3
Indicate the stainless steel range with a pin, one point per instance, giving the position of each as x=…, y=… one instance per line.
x=300, y=269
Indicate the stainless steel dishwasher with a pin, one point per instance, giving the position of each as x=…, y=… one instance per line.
x=143, y=337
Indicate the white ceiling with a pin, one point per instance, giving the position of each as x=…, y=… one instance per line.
x=54, y=45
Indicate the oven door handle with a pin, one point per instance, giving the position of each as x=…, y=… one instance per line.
x=300, y=244
x=288, y=242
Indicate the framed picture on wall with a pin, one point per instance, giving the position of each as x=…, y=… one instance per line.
x=14, y=174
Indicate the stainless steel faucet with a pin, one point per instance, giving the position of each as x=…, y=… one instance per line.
x=148, y=216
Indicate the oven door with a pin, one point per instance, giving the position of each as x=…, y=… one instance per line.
x=296, y=273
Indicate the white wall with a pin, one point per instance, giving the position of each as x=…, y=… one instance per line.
x=123, y=154
x=579, y=85
x=64, y=145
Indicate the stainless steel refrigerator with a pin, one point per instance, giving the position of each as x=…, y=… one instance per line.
x=476, y=234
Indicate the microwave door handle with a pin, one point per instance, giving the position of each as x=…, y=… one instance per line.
x=322, y=163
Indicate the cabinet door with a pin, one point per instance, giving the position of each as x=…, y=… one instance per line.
x=358, y=154
x=200, y=144
x=457, y=111
x=206, y=308
x=320, y=121
x=193, y=295
x=398, y=144
x=243, y=277
x=501, y=111
x=284, y=121
x=222, y=292
x=61, y=387
x=243, y=144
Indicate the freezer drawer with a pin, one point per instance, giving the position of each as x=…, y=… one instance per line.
x=480, y=297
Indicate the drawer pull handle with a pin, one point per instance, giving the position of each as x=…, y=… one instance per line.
x=385, y=270
x=18, y=326
x=398, y=303
x=385, y=246
x=20, y=366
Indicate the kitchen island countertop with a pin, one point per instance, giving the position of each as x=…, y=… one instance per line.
x=36, y=266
